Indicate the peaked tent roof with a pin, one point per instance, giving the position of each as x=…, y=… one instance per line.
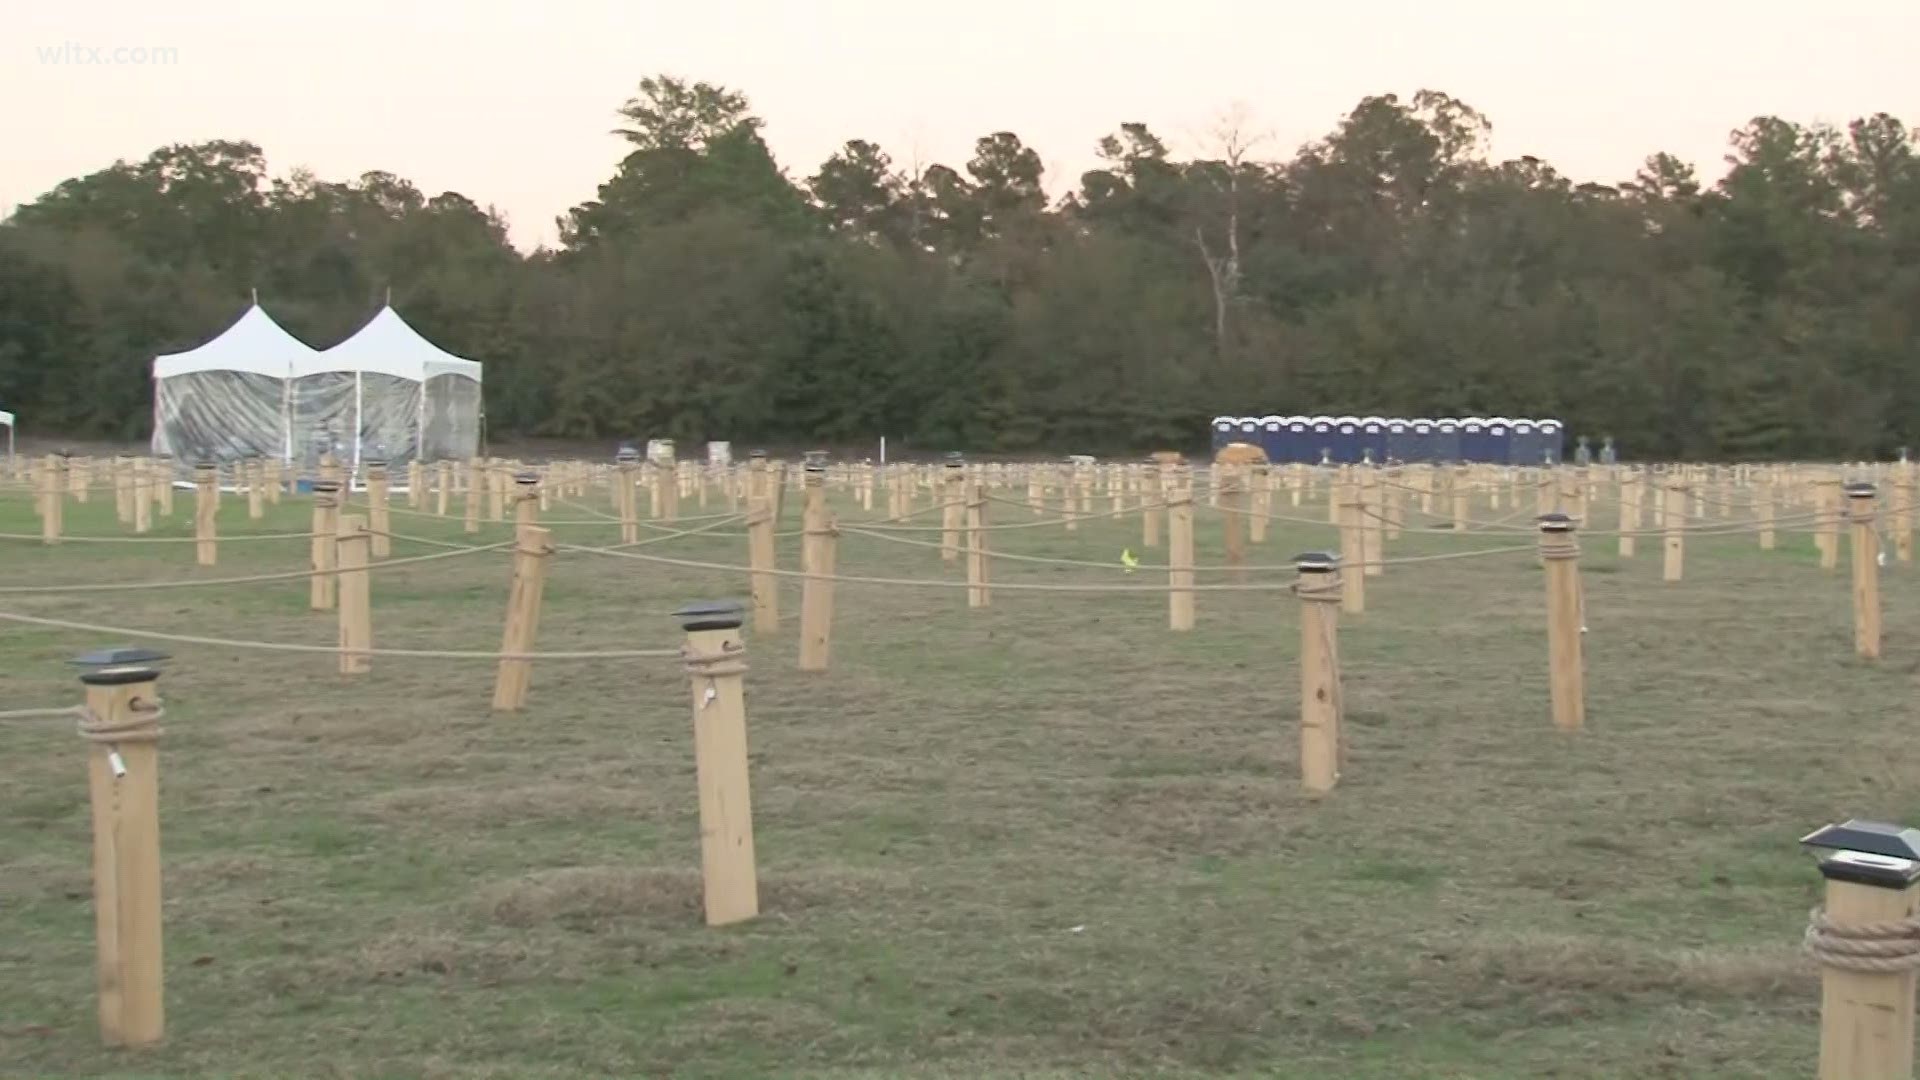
x=388, y=346
x=254, y=343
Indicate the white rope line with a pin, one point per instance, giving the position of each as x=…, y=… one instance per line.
x=278, y=646
x=250, y=579
x=66, y=538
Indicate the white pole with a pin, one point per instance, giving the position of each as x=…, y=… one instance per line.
x=358, y=385
x=883, y=449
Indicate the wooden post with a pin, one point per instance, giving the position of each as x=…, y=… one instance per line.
x=160, y=484
x=526, y=500
x=1865, y=556
x=1903, y=490
x=142, y=495
x=818, y=535
x=979, y=593
x=379, y=522
x=1180, y=550
x=323, y=587
x=122, y=468
x=953, y=497
x=1320, y=699
x=351, y=552
x=1763, y=512
x=416, y=484
x=1391, y=498
x=206, y=505
x=1152, y=503
x=1460, y=499
x=1566, y=667
x=443, y=487
x=1353, y=586
x=715, y=660
x=1261, y=504
x=1230, y=482
x=761, y=551
x=514, y=677
x=53, y=500
x=474, y=491
x=80, y=478
x=273, y=482
x=1674, y=542
x=494, y=477
x=667, y=483
x=121, y=726
x=1629, y=513
x=1866, y=1002
x=1371, y=545
x=1827, y=536
x=256, y=479
x=626, y=501
x=778, y=486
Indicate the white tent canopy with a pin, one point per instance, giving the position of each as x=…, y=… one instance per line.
x=227, y=400
x=386, y=392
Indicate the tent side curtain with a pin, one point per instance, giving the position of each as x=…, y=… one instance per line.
x=218, y=416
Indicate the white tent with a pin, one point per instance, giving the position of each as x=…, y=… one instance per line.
x=386, y=392
x=404, y=396
x=7, y=419
x=228, y=399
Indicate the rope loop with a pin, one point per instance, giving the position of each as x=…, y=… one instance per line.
x=141, y=725
x=1878, y=948
x=730, y=660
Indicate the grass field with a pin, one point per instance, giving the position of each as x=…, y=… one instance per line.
x=1047, y=839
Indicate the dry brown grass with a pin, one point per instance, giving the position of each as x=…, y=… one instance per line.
x=1048, y=839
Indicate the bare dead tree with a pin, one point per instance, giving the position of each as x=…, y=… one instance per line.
x=1234, y=142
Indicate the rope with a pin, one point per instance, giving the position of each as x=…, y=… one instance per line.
x=1086, y=587
x=142, y=724
x=250, y=579
x=277, y=646
x=1880, y=948
x=710, y=665
x=64, y=538
x=40, y=714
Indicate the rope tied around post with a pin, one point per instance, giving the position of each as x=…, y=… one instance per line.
x=1880, y=948
x=1558, y=546
x=1319, y=592
x=141, y=725
x=730, y=660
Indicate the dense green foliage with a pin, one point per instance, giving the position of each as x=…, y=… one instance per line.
x=1388, y=268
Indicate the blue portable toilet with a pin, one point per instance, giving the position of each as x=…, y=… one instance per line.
x=1473, y=438
x=1500, y=438
x=1550, y=435
x=1446, y=440
x=1346, y=439
x=1373, y=439
x=1223, y=427
x=1295, y=440
x=1524, y=449
x=1273, y=430
x=1247, y=430
x=1400, y=441
x=1320, y=440
x=1420, y=439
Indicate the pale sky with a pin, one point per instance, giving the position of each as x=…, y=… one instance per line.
x=510, y=102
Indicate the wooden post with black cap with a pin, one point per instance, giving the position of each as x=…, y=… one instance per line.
x=121, y=723
x=1867, y=940
x=715, y=660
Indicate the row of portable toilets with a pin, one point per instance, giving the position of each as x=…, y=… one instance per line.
x=1352, y=439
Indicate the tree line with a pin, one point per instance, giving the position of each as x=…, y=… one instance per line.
x=1390, y=267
